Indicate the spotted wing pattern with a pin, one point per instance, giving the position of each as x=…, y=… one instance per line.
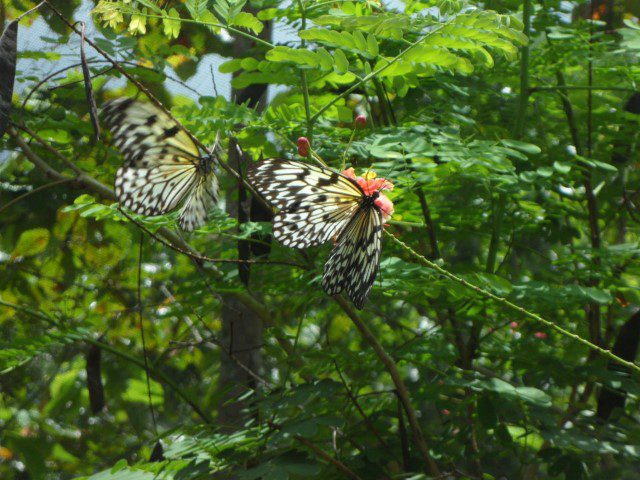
x=163, y=167
x=315, y=203
x=353, y=263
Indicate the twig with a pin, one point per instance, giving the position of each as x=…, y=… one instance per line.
x=375, y=73
x=142, y=336
x=50, y=149
x=524, y=72
x=100, y=188
x=401, y=388
x=30, y=10
x=402, y=431
x=303, y=75
x=205, y=258
x=35, y=190
x=580, y=87
x=356, y=404
x=321, y=453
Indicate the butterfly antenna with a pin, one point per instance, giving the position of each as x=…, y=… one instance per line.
x=217, y=147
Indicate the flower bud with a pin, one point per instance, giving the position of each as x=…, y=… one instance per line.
x=361, y=121
x=540, y=335
x=303, y=146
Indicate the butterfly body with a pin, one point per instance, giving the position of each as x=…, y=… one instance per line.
x=163, y=168
x=206, y=164
x=317, y=204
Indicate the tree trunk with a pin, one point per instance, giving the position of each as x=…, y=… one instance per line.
x=242, y=330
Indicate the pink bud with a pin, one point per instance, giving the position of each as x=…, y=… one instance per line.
x=361, y=121
x=445, y=412
x=540, y=335
x=304, y=146
x=513, y=325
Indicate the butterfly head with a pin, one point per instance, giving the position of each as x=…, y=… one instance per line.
x=372, y=186
x=205, y=166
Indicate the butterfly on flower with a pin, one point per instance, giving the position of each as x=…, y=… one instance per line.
x=317, y=204
x=163, y=168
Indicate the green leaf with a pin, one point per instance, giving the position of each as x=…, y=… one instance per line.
x=31, y=242
x=522, y=146
x=325, y=59
x=171, y=23
x=248, y=21
x=268, y=14
x=196, y=8
x=230, y=66
x=341, y=62
x=299, y=56
x=372, y=45
x=137, y=392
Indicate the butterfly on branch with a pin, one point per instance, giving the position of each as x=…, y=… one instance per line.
x=316, y=205
x=163, y=169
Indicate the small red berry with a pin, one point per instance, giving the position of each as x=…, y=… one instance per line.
x=304, y=146
x=361, y=121
x=540, y=335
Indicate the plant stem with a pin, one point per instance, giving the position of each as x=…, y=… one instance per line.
x=303, y=75
x=498, y=213
x=403, y=393
x=376, y=72
x=580, y=87
x=200, y=22
x=512, y=306
x=524, y=72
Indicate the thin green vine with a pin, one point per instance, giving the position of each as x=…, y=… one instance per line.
x=503, y=301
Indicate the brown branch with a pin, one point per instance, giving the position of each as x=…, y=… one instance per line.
x=431, y=228
x=94, y=185
x=401, y=388
x=321, y=453
x=55, y=152
x=205, y=258
x=356, y=404
x=35, y=190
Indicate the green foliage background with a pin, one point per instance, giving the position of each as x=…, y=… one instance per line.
x=515, y=161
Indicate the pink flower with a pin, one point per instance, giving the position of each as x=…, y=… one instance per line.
x=385, y=205
x=361, y=121
x=513, y=325
x=540, y=335
x=445, y=412
x=370, y=185
x=350, y=172
x=303, y=146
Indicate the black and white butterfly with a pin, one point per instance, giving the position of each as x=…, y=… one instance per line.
x=316, y=205
x=163, y=168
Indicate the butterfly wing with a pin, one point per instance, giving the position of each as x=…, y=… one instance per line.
x=315, y=203
x=194, y=211
x=161, y=163
x=140, y=129
x=354, y=261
